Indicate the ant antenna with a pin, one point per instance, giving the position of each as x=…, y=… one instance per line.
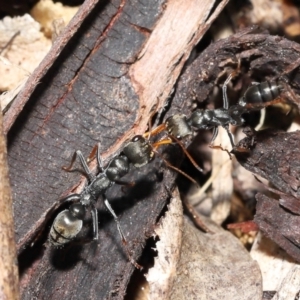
x=221, y=148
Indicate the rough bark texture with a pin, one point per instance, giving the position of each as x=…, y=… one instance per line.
x=262, y=56
x=275, y=156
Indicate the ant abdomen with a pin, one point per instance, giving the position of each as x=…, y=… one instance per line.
x=261, y=95
x=67, y=225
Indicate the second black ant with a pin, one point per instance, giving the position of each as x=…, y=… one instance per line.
x=256, y=97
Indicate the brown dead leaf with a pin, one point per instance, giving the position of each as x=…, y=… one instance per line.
x=215, y=267
x=273, y=261
x=19, y=61
x=162, y=275
x=210, y=266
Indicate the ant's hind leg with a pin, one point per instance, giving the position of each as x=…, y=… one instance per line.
x=94, y=213
x=124, y=241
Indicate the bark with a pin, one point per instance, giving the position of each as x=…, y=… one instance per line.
x=9, y=278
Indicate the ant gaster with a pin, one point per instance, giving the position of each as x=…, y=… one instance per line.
x=68, y=223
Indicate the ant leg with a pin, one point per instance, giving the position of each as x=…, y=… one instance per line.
x=70, y=198
x=108, y=206
x=196, y=218
x=226, y=127
x=83, y=164
x=176, y=169
x=224, y=90
x=99, y=159
x=121, y=182
x=191, y=159
x=124, y=241
x=221, y=148
x=214, y=135
x=94, y=213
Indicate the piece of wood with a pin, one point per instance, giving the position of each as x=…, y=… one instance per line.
x=9, y=276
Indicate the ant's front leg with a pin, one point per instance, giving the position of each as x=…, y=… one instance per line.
x=95, y=151
x=87, y=171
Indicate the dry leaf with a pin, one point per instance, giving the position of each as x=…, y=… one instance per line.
x=210, y=266
x=215, y=266
x=162, y=275
x=18, y=61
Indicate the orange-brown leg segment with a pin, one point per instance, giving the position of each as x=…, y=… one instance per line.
x=155, y=131
x=221, y=148
x=187, y=153
x=177, y=169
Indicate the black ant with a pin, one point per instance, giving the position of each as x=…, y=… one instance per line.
x=68, y=223
x=256, y=97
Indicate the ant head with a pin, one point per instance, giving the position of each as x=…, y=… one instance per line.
x=139, y=151
x=178, y=126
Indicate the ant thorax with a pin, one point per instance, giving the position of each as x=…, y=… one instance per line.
x=99, y=185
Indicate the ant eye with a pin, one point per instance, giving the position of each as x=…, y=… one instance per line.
x=136, y=138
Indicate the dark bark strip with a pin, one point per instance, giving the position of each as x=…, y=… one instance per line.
x=83, y=97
